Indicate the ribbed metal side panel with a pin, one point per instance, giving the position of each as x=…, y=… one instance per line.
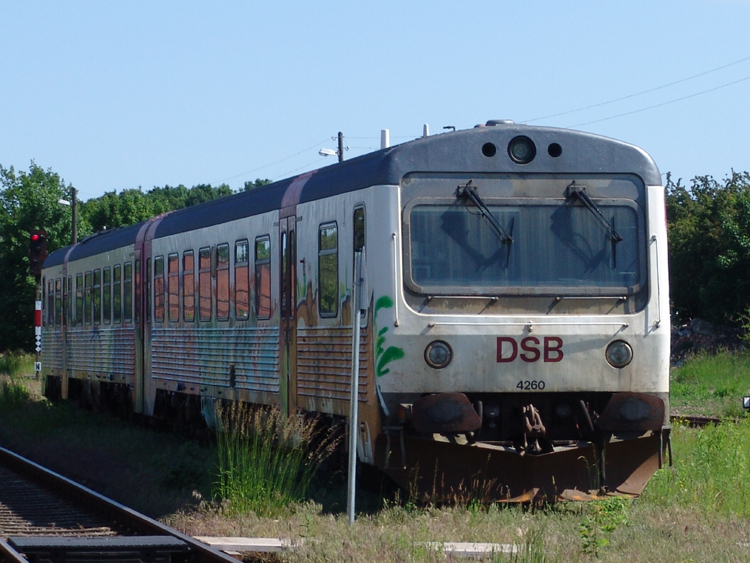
x=206, y=356
x=324, y=363
x=52, y=353
x=103, y=350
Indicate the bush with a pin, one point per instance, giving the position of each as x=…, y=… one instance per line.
x=266, y=461
x=709, y=247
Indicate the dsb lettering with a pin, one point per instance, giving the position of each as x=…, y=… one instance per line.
x=531, y=349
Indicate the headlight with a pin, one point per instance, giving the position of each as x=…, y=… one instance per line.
x=521, y=150
x=619, y=354
x=438, y=354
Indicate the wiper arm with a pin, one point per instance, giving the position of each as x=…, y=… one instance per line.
x=580, y=193
x=469, y=191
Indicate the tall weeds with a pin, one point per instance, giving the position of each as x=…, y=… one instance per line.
x=711, y=470
x=13, y=393
x=266, y=461
x=12, y=363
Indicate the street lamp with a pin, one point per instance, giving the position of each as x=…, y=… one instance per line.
x=73, y=204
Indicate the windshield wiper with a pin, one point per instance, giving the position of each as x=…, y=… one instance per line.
x=470, y=191
x=579, y=192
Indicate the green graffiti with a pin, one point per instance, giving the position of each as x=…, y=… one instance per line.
x=384, y=356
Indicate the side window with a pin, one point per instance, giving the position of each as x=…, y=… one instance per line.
x=117, y=294
x=148, y=290
x=138, y=290
x=204, y=284
x=107, y=298
x=263, y=277
x=58, y=302
x=87, y=305
x=69, y=302
x=241, y=280
x=173, y=286
x=159, y=289
x=188, y=286
x=127, y=292
x=359, y=228
x=222, y=282
x=328, y=270
x=50, y=316
x=97, y=296
x=79, y=299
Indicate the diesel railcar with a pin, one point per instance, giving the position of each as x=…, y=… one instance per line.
x=517, y=338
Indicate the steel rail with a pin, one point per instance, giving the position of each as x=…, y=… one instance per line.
x=127, y=518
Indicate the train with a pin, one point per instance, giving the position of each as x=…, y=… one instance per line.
x=514, y=340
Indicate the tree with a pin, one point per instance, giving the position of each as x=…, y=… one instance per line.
x=709, y=247
x=258, y=183
x=28, y=201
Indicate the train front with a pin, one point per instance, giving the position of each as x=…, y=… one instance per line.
x=528, y=350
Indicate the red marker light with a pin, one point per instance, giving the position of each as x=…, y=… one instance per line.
x=35, y=237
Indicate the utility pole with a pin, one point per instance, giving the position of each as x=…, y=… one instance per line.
x=74, y=205
x=341, y=147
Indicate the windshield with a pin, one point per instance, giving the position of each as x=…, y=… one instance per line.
x=554, y=246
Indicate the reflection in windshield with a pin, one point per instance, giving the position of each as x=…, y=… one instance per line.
x=554, y=245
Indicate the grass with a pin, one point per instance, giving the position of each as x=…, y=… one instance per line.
x=697, y=510
x=266, y=461
x=711, y=384
x=16, y=363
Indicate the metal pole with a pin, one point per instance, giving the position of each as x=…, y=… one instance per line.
x=354, y=404
x=341, y=147
x=75, y=216
x=38, y=328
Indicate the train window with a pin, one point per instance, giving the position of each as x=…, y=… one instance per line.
x=50, y=316
x=87, y=304
x=127, y=291
x=293, y=272
x=79, y=299
x=58, y=302
x=68, y=298
x=97, y=296
x=263, y=277
x=222, y=282
x=284, y=271
x=188, y=286
x=138, y=290
x=148, y=290
x=117, y=294
x=359, y=228
x=159, y=289
x=173, y=287
x=241, y=280
x=204, y=284
x=107, y=299
x=328, y=270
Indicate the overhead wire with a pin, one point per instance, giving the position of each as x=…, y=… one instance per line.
x=661, y=104
x=642, y=93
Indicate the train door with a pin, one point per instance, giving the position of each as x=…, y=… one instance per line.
x=287, y=313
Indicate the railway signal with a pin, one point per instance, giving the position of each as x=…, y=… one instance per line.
x=37, y=251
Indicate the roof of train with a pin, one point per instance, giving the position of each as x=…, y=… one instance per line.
x=459, y=151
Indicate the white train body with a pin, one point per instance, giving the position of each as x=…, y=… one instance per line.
x=496, y=282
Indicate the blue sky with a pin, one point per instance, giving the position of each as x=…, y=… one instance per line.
x=117, y=95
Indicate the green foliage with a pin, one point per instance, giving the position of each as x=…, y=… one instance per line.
x=266, y=461
x=711, y=384
x=602, y=517
x=711, y=470
x=28, y=201
x=258, y=183
x=15, y=363
x=709, y=246
x=13, y=393
x=113, y=210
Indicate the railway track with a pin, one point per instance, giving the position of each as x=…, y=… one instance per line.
x=695, y=421
x=47, y=517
